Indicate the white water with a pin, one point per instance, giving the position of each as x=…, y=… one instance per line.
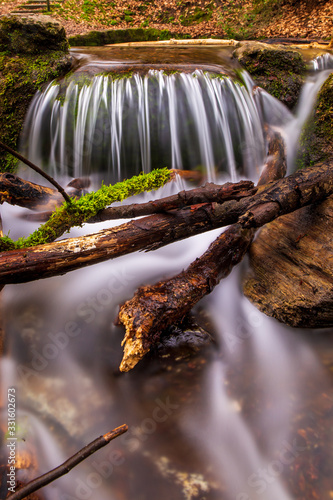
x=125, y=126
x=232, y=429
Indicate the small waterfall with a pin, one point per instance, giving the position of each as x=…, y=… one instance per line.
x=121, y=127
x=248, y=419
x=325, y=61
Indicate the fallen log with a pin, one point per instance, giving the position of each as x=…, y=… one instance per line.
x=205, y=194
x=280, y=197
x=208, y=193
x=156, y=307
x=17, y=191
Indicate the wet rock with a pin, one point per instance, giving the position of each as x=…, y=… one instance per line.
x=291, y=275
x=33, y=34
x=34, y=51
x=277, y=69
x=316, y=144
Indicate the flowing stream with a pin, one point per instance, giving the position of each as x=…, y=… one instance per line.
x=237, y=406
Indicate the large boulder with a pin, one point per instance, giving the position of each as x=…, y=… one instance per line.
x=277, y=69
x=33, y=34
x=33, y=51
x=291, y=276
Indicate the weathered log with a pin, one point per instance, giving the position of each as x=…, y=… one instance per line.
x=280, y=197
x=17, y=191
x=154, y=308
x=206, y=194
x=291, y=268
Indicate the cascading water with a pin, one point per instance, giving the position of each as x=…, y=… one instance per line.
x=121, y=127
x=249, y=418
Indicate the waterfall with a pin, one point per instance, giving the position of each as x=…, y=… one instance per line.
x=324, y=61
x=121, y=127
x=249, y=416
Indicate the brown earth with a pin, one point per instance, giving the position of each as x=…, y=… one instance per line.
x=308, y=19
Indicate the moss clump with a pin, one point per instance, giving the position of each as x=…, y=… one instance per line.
x=316, y=144
x=79, y=211
x=278, y=70
x=97, y=38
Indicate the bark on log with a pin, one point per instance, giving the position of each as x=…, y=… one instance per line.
x=291, y=268
x=17, y=191
x=206, y=194
x=154, y=308
x=278, y=198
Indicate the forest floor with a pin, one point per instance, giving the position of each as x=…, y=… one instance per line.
x=249, y=19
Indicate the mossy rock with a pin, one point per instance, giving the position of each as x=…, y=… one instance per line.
x=34, y=34
x=316, y=144
x=20, y=78
x=278, y=70
x=98, y=38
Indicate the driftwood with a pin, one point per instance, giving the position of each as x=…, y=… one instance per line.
x=37, y=169
x=277, y=198
x=153, y=308
x=17, y=191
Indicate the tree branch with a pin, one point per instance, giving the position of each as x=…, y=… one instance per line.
x=304, y=187
x=64, y=468
x=37, y=169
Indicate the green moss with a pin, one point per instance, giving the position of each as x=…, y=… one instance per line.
x=279, y=71
x=20, y=78
x=79, y=211
x=28, y=36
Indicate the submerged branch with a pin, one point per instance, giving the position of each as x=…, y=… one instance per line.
x=64, y=468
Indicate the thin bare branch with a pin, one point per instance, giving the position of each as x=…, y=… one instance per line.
x=36, y=169
x=64, y=468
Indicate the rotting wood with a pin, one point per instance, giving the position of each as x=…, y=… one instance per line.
x=277, y=198
x=17, y=191
x=153, y=308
